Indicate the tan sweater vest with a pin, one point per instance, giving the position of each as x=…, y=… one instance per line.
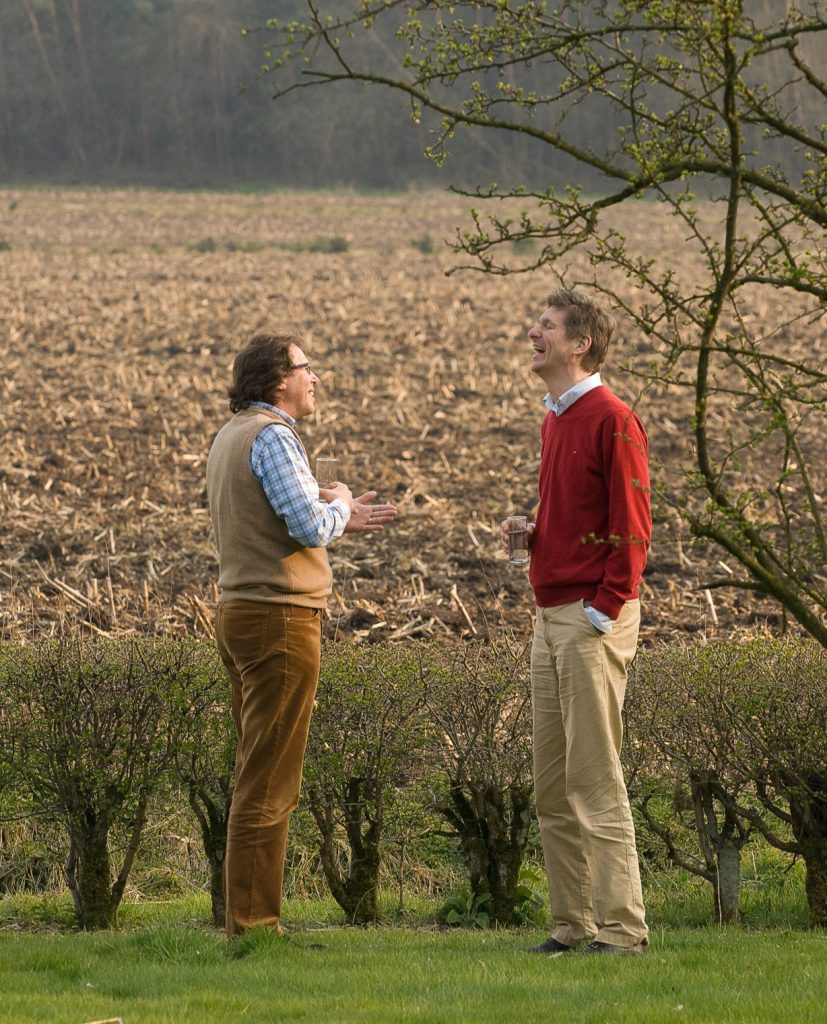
x=258, y=560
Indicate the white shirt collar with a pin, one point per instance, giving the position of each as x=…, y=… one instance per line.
x=568, y=398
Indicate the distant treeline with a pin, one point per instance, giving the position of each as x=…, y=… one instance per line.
x=167, y=92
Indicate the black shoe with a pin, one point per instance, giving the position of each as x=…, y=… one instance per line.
x=610, y=947
x=550, y=946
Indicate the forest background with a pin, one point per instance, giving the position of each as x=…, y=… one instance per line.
x=169, y=93
x=166, y=93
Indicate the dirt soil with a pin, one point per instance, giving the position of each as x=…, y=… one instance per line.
x=122, y=312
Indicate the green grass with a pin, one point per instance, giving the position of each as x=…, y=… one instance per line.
x=178, y=972
x=167, y=965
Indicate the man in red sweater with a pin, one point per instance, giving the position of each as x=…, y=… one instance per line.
x=588, y=550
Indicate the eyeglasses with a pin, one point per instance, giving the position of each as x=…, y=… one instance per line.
x=301, y=366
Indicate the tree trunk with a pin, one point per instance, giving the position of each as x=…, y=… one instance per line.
x=89, y=877
x=362, y=886
x=720, y=843
x=509, y=828
x=814, y=854
x=357, y=891
x=212, y=819
x=362, y=883
x=323, y=813
x=808, y=809
x=493, y=827
x=218, y=901
x=728, y=883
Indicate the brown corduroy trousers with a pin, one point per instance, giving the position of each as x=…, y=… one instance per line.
x=578, y=678
x=272, y=653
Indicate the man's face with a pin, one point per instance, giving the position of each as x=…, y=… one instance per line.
x=297, y=392
x=552, y=347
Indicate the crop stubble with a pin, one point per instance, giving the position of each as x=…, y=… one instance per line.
x=124, y=311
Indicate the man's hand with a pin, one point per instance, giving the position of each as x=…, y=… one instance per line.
x=368, y=518
x=504, y=535
x=336, y=491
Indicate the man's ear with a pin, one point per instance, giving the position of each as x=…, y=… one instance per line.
x=584, y=343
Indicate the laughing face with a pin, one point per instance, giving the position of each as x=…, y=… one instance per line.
x=552, y=348
x=297, y=392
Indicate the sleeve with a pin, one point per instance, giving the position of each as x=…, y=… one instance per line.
x=280, y=465
x=626, y=468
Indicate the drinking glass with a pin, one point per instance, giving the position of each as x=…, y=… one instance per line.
x=517, y=529
x=325, y=471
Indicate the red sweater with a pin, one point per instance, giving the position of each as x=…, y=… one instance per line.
x=594, y=522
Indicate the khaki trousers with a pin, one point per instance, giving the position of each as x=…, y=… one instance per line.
x=578, y=680
x=272, y=654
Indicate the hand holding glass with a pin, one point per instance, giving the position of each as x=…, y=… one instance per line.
x=517, y=530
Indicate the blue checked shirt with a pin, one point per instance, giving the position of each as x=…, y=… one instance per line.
x=281, y=467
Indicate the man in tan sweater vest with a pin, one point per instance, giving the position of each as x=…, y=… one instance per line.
x=272, y=524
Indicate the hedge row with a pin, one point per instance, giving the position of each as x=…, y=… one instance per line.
x=724, y=741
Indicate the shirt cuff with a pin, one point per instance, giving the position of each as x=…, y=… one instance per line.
x=342, y=506
x=598, y=619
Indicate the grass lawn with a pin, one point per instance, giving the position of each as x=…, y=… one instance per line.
x=165, y=965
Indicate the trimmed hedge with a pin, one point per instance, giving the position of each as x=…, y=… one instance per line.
x=726, y=741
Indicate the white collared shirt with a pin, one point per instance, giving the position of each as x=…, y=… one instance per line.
x=568, y=398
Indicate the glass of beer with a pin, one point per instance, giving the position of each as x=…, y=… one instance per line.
x=517, y=529
x=326, y=471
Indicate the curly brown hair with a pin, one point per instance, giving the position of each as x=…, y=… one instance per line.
x=585, y=317
x=259, y=368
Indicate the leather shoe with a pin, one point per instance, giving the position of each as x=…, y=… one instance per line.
x=550, y=946
x=610, y=947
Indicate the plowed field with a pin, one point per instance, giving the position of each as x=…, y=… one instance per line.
x=121, y=313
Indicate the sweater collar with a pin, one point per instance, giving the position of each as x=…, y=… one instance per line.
x=568, y=398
